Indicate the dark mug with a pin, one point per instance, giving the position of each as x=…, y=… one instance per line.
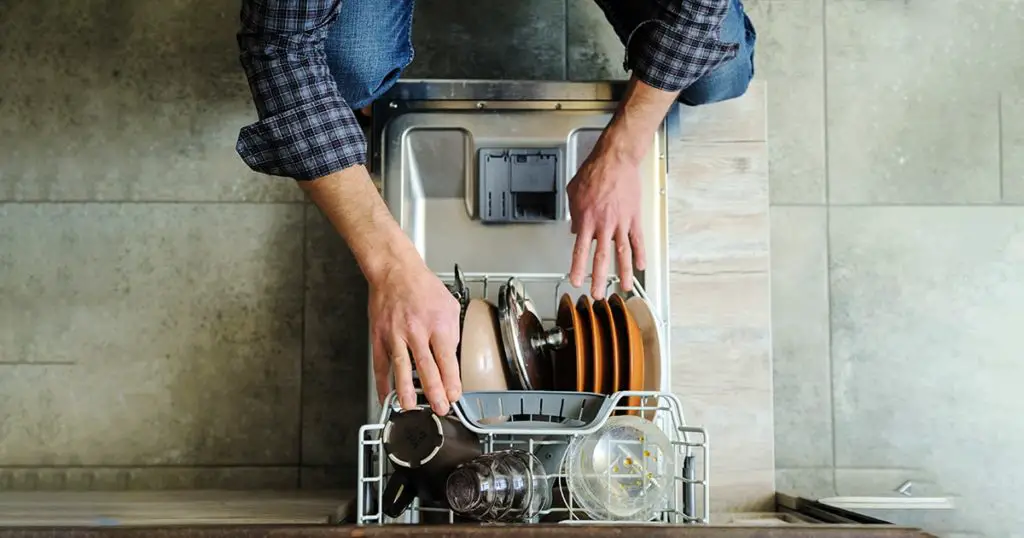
x=428, y=447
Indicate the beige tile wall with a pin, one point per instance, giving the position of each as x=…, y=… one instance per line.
x=719, y=288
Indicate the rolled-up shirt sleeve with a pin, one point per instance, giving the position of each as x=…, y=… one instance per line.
x=305, y=129
x=679, y=43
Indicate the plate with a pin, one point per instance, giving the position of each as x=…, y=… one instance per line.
x=481, y=355
x=592, y=346
x=644, y=317
x=624, y=471
x=609, y=347
x=570, y=366
x=631, y=351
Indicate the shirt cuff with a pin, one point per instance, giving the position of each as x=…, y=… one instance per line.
x=304, y=143
x=670, y=58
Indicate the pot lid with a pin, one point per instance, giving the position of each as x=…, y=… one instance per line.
x=522, y=332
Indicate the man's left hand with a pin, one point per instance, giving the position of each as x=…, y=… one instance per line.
x=604, y=203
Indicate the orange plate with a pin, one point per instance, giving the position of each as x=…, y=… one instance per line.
x=609, y=347
x=631, y=349
x=641, y=311
x=592, y=352
x=569, y=367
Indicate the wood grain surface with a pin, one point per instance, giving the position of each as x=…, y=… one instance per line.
x=473, y=531
x=206, y=507
x=719, y=286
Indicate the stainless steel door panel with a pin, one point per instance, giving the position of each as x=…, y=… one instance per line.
x=428, y=165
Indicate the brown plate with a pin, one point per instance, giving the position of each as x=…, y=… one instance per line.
x=592, y=346
x=609, y=347
x=631, y=350
x=648, y=326
x=570, y=365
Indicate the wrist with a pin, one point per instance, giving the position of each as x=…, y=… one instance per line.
x=622, y=144
x=630, y=133
x=392, y=251
x=353, y=205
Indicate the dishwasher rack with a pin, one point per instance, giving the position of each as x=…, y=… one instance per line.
x=688, y=502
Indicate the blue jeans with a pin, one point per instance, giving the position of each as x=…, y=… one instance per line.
x=370, y=45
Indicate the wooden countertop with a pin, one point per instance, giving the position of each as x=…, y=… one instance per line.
x=469, y=531
x=201, y=507
x=301, y=514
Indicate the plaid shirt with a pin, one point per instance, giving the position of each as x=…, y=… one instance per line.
x=306, y=129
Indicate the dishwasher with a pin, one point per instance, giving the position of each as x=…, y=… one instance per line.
x=566, y=415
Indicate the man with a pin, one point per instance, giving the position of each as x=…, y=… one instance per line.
x=312, y=63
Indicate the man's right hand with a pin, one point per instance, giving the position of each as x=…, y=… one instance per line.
x=413, y=317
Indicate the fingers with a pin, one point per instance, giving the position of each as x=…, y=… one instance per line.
x=443, y=346
x=636, y=241
x=381, y=369
x=602, y=256
x=402, y=366
x=580, y=255
x=430, y=376
x=624, y=258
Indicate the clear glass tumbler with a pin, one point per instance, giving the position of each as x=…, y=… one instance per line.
x=505, y=486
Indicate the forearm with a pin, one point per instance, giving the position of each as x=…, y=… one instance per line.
x=638, y=117
x=351, y=202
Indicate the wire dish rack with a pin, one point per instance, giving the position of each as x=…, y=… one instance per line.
x=564, y=418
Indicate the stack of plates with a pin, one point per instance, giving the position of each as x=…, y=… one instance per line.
x=612, y=345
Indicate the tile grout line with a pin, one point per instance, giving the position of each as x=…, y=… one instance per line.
x=149, y=466
x=828, y=237
x=824, y=99
x=302, y=343
x=883, y=205
x=148, y=202
x=37, y=363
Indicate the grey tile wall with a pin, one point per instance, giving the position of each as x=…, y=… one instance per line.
x=894, y=291
x=150, y=334
x=167, y=317
x=789, y=57
x=926, y=349
x=114, y=100
x=800, y=338
x=458, y=39
x=335, y=360
x=1012, y=131
x=916, y=96
x=593, y=49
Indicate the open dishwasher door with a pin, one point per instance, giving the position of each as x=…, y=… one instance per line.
x=475, y=173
